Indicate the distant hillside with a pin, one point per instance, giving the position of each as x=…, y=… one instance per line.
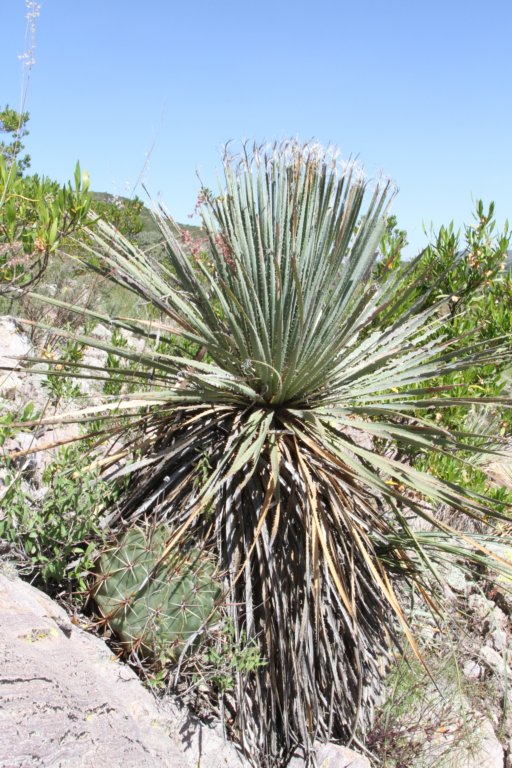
x=150, y=235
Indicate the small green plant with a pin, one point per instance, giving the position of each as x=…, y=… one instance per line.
x=114, y=366
x=59, y=533
x=392, y=243
x=458, y=267
x=28, y=413
x=60, y=382
x=470, y=274
x=229, y=656
x=122, y=212
x=13, y=124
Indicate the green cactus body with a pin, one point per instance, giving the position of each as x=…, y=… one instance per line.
x=153, y=610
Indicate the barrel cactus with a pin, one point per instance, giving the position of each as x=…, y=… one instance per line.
x=153, y=601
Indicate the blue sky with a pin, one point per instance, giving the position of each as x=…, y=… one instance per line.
x=419, y=91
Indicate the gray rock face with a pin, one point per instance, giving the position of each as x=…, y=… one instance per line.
x=67, y=703
x=333, y=756
x=489, y=752
x=13, y=344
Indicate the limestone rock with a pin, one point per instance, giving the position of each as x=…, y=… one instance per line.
x=472, y=671
x=487, y=751
x=16, y=388
x=67, y=703
x=13, y=342
x=333, y=756
x=13, y=345
x=455, y=583
x=494, y=661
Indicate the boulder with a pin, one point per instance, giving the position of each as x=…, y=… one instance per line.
x=16, y=387
x=333, y=756
x=14, y=344
x=66, y=702
x=487, y=751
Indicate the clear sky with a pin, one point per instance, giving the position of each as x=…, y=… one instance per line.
x=419, y=90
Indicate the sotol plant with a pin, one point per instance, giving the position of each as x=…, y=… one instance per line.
x=309, y=372
x=154, y=602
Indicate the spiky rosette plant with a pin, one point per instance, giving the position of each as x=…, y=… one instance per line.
x=308, y=373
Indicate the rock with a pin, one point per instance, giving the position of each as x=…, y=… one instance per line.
x=67, y=703
x=472, y=671
x=10, y=384
x=508, y=759
x=102, y=332
x=493, y=660
x=96, y=357
x=499, y=639
x=470, y=745
x=135, y=342
x=13, y=342
x=16, y=388
x=21, y=389
x=489, y=621
x=480, y=608
x=56, y=437
x=454, y=583
x=138, y=344
x=486, y=752
x=333, y=756
x=13, y=345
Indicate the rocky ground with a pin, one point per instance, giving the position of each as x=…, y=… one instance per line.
x=456, y=713
x=67, y=702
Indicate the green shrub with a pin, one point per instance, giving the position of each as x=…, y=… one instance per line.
x=60, y=532
x=36, y=214
x=27, y=413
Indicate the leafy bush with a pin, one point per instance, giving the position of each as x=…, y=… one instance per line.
x=458, y=267
x=13, y=124
x=470, y=273
x=35, y=215
x=60, y=532
x=59, y=381
x=12, y=422
x=122, y=212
